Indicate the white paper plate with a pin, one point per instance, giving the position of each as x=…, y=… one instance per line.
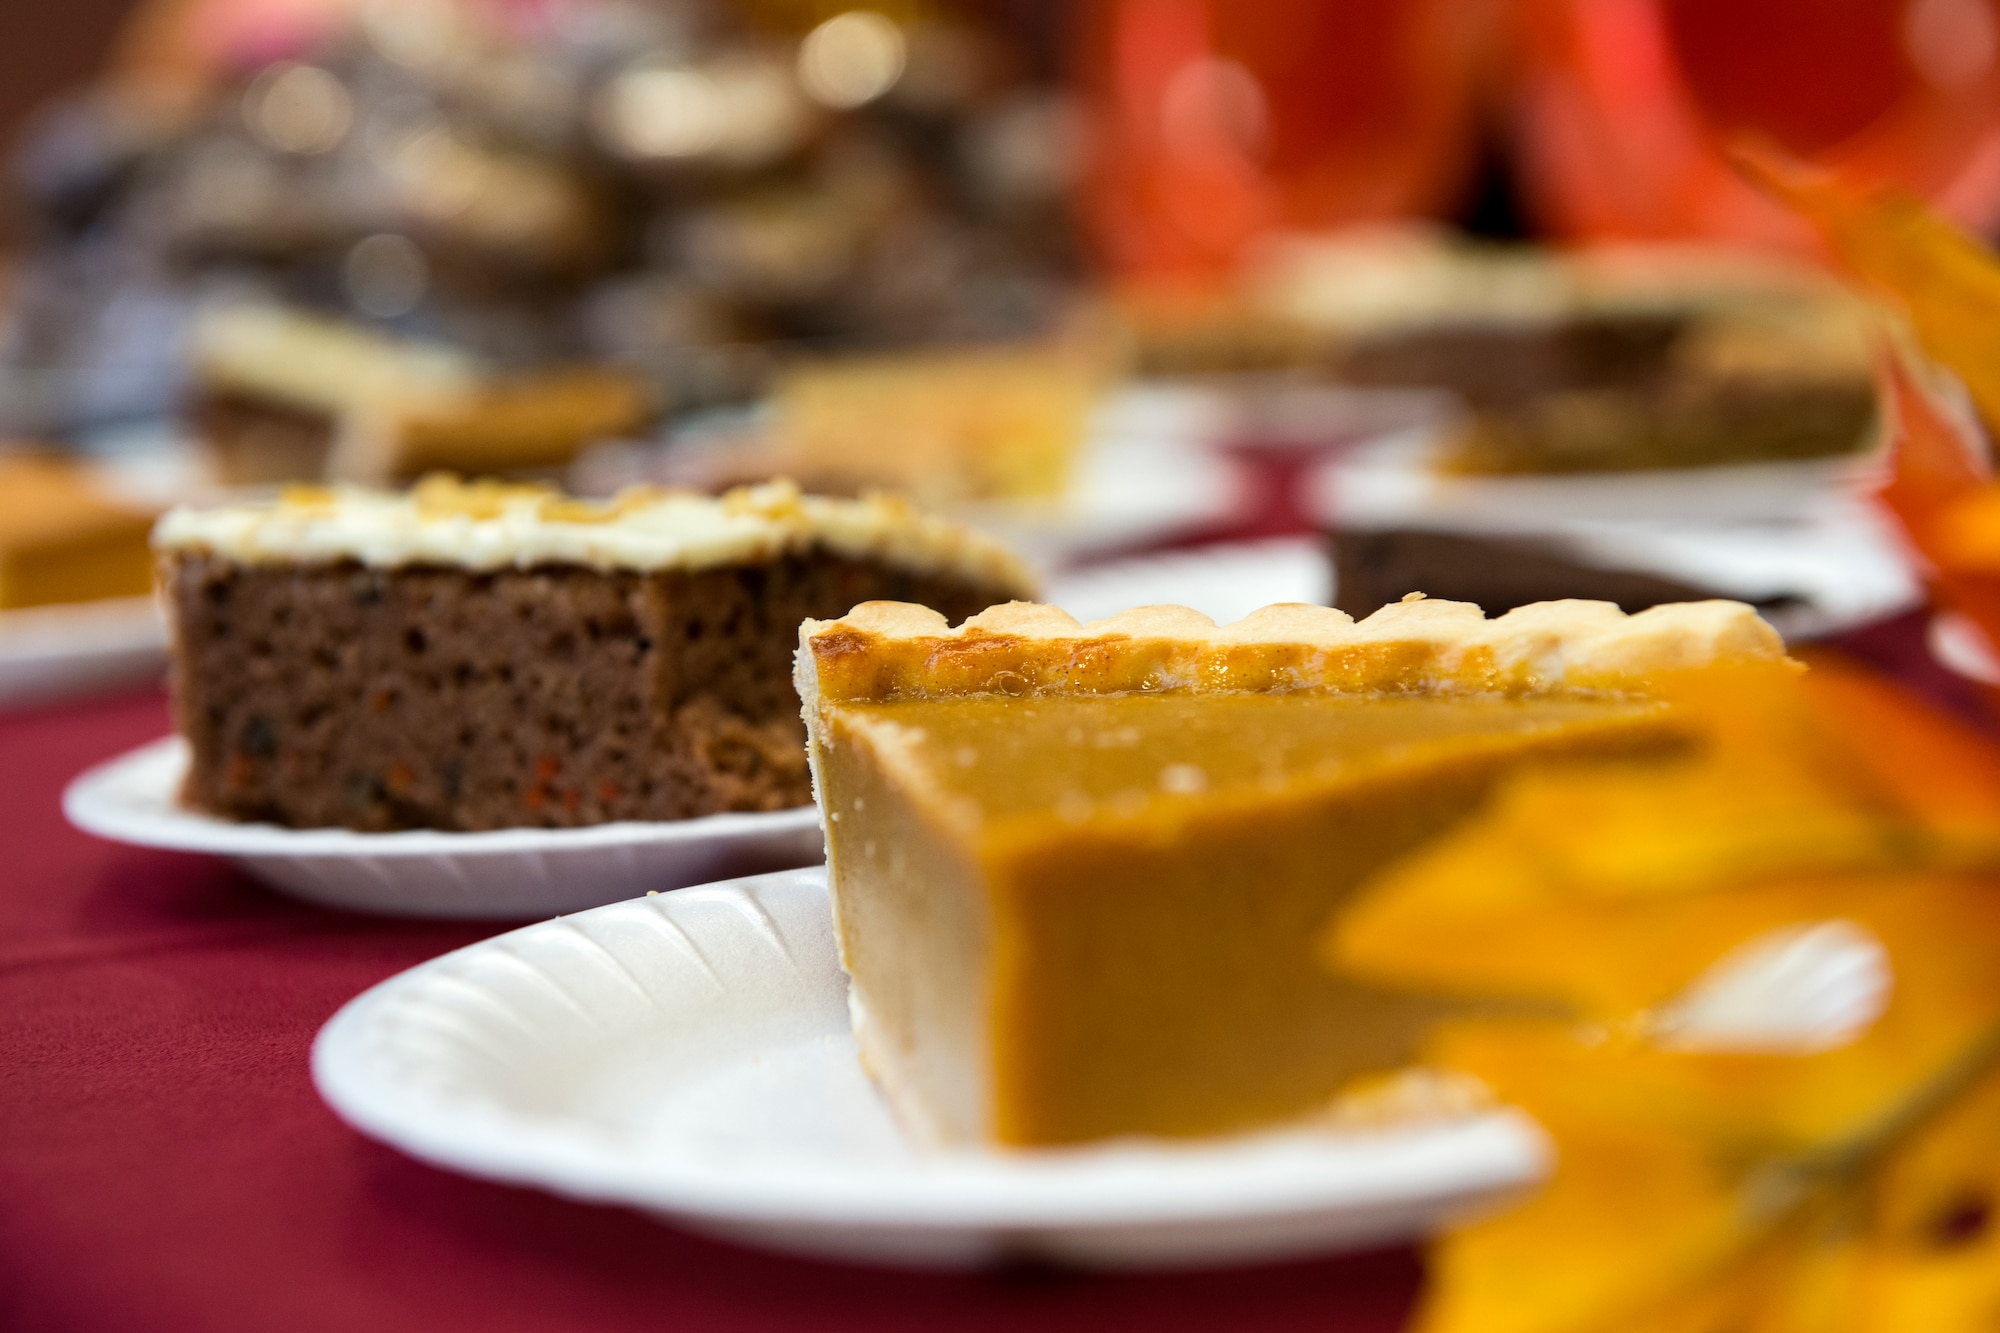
x=506, y=875
x=66, y=651
x=688, y=1054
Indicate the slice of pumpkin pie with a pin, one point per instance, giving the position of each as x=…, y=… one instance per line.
x=1077, y=870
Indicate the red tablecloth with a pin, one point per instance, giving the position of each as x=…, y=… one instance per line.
x=164, y=1163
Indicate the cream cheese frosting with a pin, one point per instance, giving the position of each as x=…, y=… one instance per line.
x=489, y=525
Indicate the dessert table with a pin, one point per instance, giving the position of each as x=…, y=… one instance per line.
x=165, y=1164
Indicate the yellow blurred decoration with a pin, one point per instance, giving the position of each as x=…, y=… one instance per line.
x=1717, y=1169
x=1675, y=1206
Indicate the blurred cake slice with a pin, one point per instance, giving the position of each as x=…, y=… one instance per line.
x=1622, y=358
x=286, y=396
x=944, y=427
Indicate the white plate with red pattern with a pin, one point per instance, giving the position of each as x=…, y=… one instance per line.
x=688, y=1054
x=504, y=875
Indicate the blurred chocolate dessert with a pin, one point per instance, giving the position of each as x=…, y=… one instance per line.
x=685, y=189
x=1609, y=360
x=1376, y=568
x=944, y=427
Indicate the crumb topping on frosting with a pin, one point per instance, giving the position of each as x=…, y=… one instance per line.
x=890, y=650
x=486, y=525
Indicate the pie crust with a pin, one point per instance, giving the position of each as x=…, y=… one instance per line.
x=892, y=650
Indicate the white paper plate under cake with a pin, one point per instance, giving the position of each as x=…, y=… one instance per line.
x=504, y=875
x=71, y=650
x=688, y=1054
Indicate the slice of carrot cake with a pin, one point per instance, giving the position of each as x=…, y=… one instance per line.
x=479, y=656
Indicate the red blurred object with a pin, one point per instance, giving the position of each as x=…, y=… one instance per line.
x=1624, y=104
x=1938, y=465
x=1217, y=121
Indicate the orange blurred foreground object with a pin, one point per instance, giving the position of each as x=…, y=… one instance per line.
x=1946, y=282
x=1948, y=508
x=1772, y=1095
x=1941, y=485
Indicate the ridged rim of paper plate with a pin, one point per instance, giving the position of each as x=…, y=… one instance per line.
x=380, y=1065
x=130, y=799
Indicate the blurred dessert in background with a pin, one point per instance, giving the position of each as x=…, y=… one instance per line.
x=1634, y=424
x=1179, y=334
x=679, y=188
x=281, y=395
x=64, y=537
x=1613, y=359
x=945, y=427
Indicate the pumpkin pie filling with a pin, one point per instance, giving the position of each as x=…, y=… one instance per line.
x=1073, y=910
